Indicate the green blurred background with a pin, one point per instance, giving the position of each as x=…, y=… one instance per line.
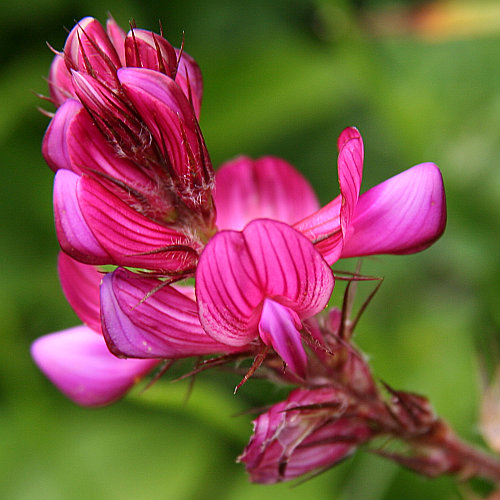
x=282, y=78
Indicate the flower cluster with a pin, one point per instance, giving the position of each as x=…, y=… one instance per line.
x=134, y=188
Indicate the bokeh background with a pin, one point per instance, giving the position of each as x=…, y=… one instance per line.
x=422, y=83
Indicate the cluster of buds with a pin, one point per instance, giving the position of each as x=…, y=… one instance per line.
x=134, y=188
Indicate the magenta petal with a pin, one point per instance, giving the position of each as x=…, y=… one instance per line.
x=269, y=187
x=237, y=271
x=350, y=169
x=279, y=326
x=78, y=362
x=73, y=232
x=227, y=290
x=55, y=142
x=130, y=238
x=328, y=227
x=80, y=283
x=404, y=214
x=164, y=324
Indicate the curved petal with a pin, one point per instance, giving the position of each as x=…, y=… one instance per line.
x=268, y=187
x=73, y=232
x=55, y=142
x=80, y=284
x=404, y=214
x=143, y=319
x=80, y=365
x=329, y=227
x=238, y=270
x=96, y=227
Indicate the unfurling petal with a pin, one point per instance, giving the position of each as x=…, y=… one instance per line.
x=328, y=227
x=80, y=283
x=141, y=318
x=79, y=363
x=190, y=80
x=238, y=270
x=404, y=214
x=268, y=187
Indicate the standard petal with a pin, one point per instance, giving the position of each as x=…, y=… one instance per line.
x=269, y=187
x=78, y=362
x=73, y=232
x=143, y=319
x=404, y=214
x=279, y=326
x=238, y=270
x=350, y=169
x=55, y=142
x=80, y=283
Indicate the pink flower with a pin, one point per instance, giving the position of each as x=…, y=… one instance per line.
x=307, y=433
x=404, y=214
x=133, y=176
x=261, y=283
x=77, y=360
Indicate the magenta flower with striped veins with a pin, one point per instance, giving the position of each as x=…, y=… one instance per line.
x=78, y=360
x=403, y=215
x=133, y=176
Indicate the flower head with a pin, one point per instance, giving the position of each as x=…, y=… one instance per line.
x=133, y=174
